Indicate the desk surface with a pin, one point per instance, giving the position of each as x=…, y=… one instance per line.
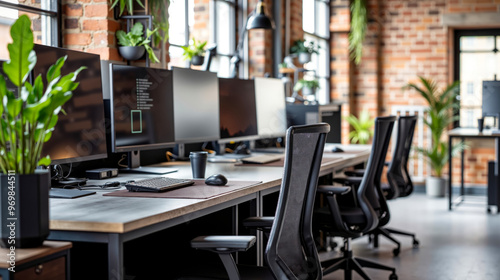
x=473, y=132
x=98, y=213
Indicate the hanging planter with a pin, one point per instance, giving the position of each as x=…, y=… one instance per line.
x=304, y=57
x=197, y=60
x=132, y=53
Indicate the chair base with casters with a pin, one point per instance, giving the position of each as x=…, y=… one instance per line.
x=388, y=233
x=349, y=263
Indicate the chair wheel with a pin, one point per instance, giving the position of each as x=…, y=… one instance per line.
x=395, y=252
x=393, y=276
x=415, y=243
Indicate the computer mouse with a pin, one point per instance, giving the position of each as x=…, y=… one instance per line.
x=216, y=180
x=337, y=150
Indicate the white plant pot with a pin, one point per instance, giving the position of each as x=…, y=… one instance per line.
x=435, y=186
x=304, y=58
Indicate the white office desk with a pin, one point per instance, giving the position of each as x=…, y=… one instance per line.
x=115, y=220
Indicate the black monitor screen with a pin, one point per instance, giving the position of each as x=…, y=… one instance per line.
x=142, y=115
x=238, y=115
x=80, y=134
x=196, y=99
x=491, y=98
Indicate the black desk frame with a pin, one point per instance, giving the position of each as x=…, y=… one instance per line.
x=462, y=136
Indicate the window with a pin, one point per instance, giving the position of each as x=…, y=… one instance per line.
x=181, y=20
x=212, y=21
x=224, y=35
x=470, y=88
x=44, y=15
x=318, y=31
x=476, y=60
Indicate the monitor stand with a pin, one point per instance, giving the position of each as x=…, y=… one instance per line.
x=134, y=166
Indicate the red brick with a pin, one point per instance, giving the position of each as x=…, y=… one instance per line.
x=73, y=10
x=81, y=39
x=98, y=10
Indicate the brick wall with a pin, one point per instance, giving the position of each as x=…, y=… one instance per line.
x=414, y=42
x=88, y=25
x=260, y=48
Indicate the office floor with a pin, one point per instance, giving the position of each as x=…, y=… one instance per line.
x=457, y=245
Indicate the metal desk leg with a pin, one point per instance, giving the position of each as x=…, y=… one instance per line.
x=450, y=167
x=462, y=187
x=115, y=257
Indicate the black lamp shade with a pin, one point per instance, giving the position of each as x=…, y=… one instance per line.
x=259, y=20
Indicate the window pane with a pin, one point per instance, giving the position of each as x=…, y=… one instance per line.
x=177, y=20
x=308, y=21
x=176, y=58
x=322, y=19
x=221, y=66
x=474, y=69
x=323, y=93
x=477, y=43
x=225, y=28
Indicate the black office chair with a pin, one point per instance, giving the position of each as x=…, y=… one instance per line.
x=399, y=181
x=362, y=214
x=291, y=252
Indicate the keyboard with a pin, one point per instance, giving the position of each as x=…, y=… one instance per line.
x=262, y=159
x=157, y=184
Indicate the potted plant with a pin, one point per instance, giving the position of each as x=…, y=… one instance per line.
x=308, y=88
x=362, y=126
x=125, y=5
x=133, y=44
x=439, y=118
x=304, y=50
x=27, y=121
x=194, y=52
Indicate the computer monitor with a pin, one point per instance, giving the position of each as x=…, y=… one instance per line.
x=491, y=100
x=238, y=113
x=271, y=107
x=196, y=103
x=80, y=134
x=141, y=113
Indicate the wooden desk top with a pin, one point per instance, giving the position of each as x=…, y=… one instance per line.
x=27, y=255
x=98, y=213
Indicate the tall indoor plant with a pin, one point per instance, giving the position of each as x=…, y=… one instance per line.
x=28, y=117
x=439, y=118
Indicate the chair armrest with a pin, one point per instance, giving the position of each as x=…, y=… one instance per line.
x=350, y=181
x=333, y=190
x=355, y=173
x=223, y=243
x=260, y=223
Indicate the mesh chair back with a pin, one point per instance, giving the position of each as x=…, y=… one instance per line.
x=397, y=173
x=368, y=191
x=291, y=252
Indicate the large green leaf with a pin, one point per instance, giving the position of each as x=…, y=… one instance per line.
x=22, y=57
x=55, y=70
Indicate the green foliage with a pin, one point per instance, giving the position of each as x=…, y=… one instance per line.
x=359, y=21
x=135, y=38
x=362, y=126
x=440, y=117
x=127, y=5
x=159, y=12
x=195, y=48
x=313, y=84
x=301, y=46
x=27, y=120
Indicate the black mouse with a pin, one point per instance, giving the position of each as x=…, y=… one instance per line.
x=337, y=150
x=216, y=180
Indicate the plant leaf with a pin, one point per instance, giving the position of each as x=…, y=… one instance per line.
x=44, y=161
x=22, y=57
